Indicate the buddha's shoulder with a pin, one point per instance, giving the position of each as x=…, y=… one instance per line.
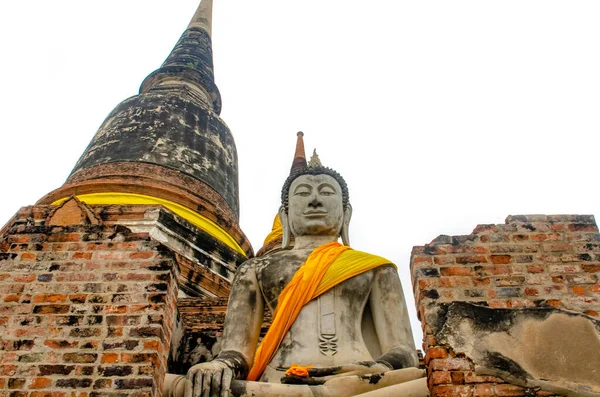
x=274, y=259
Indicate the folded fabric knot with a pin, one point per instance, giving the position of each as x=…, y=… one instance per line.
x=298, y=370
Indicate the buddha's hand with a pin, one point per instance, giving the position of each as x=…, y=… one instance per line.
x=318, y=376
x=209, y=379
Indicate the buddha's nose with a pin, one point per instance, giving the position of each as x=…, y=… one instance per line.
x=315, y=202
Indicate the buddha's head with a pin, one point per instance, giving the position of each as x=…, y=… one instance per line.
x=315, y=202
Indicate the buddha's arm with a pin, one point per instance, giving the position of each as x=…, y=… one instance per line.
x=243, y=321
x=390, y=318
x=240, y=336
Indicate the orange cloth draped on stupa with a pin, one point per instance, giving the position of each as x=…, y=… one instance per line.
x=327, y=266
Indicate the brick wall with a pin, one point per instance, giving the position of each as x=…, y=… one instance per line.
x=85, y=310
x=532, y=261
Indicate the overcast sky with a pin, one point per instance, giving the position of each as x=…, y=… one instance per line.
x=439, y=114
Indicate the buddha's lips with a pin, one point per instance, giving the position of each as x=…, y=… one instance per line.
x=315, y=214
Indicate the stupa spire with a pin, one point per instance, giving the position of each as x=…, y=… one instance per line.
x=202, y=19
x=275, y=237
x=168, y=146
x=191, y=61
x=300, y=155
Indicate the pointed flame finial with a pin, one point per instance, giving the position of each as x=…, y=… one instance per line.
x=203, y=17
x=314, y=160
x=300, y=155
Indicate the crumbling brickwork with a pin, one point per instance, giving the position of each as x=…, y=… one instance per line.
x=533, y=261
x=84, y=309
x=202, y=321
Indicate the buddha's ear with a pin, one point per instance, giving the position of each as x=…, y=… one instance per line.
x=285, y=227
x=346, y=225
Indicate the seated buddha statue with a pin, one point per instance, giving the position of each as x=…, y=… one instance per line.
x=340, y=324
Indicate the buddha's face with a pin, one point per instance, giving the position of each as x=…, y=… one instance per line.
x=315, y=206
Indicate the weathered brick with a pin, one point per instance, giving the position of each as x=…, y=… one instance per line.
x=500, y=259
x=471, y=377
x=115, y=370
x=141, y=255
x=8, y=370
x=122, y=320
x=78, y=298
x=80, y=357
x=564, y=268
x=531, y=291
x=444, y=260
x=578, y=289
x=56, y=369
x=86, y=370
x=508, y=292
x=545, y=237
x=91, y=344
x=484, y=390
x=458, y=377
x=427, y=272
x=102, y=384
x=509, y=281
x=109, y=358
x=51, y=309
x=591, y=268
x=506, y=390
x=474, y=293
x=133, y=383
x=73, y=383
x=139, y=357
x=40, y=383
x=19, y=344
x=127, y=345
x=16, y=383
x=50, y=298
x=440, y=378
x=422, y=260
x=470, y=259
x=583, y=227
x=450, y=364
x=60, y=344
x=456, y=271
x=556, y=247
x=581, y=278
x=146, y=332
x=452, y=391
x=85, y=332
x=448, y=282
x=68, y=320
x=435, y=352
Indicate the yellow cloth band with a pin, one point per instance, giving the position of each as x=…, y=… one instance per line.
x=276, y=231
x=327, y=266
x=193, y=217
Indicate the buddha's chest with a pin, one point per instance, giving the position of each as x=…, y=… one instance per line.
x=349, y=295
x=330, y=324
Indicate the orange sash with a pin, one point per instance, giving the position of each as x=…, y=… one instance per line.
x=327, y=266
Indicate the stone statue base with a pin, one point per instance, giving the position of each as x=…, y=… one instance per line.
x=407, y=382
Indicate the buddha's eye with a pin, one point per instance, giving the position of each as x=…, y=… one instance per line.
x=327, y=191
x=302, y=191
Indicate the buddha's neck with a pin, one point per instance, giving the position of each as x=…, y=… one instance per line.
x=312, y=242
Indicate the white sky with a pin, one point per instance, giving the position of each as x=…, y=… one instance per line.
x=439, y=114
